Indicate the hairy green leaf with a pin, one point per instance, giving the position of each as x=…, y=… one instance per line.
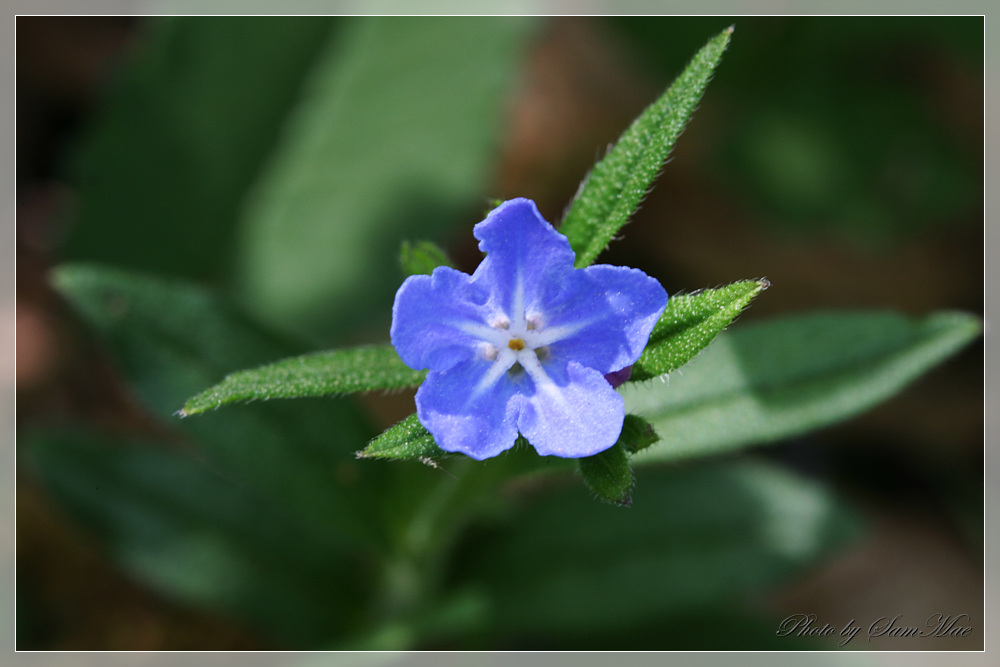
x=406, y=440
x=609, y=475
x=422, y=257
x=319, y=374
x=171, y=339
x=689, y=323
x=775, y=379
x=612, y=191
x=637, y=434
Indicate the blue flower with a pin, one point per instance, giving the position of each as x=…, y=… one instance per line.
x=524, y=343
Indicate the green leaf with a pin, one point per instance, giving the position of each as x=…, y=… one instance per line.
x=772, y=380
x=637, y=434
x=410, y=440
x=199, y=538
x=422, y=257
x=609, y=475
x=695, y=539
x=689, y=323
x=319, y=374
x=612, y=191
x=406, y=440
x=394, y=138
x=161, y=174
x=171, y=339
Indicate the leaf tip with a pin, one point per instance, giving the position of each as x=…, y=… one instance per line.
x=624, y=501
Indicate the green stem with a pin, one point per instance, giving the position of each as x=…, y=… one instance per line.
x=423, y=541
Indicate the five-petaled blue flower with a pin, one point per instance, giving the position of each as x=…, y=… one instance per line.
x=525, y=342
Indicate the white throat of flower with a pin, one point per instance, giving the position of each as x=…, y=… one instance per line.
x=519, y=341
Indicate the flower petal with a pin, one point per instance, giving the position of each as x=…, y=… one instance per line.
x=572, y=416
x=602, y=318
x=525, y=256
x=526, y=304
x=466, y=413
x=439, y=320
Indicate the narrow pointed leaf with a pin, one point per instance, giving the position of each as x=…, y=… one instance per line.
x=776, y=379
x=406, y=440
x=422, y=257
x=609, y=475
x=690, y=323
x=170, y=338
x=612, y=191
x=320, y=374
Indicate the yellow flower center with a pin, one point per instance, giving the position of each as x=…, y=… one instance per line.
x=516, y=344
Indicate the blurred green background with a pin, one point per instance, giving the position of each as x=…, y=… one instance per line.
x=280, y=162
